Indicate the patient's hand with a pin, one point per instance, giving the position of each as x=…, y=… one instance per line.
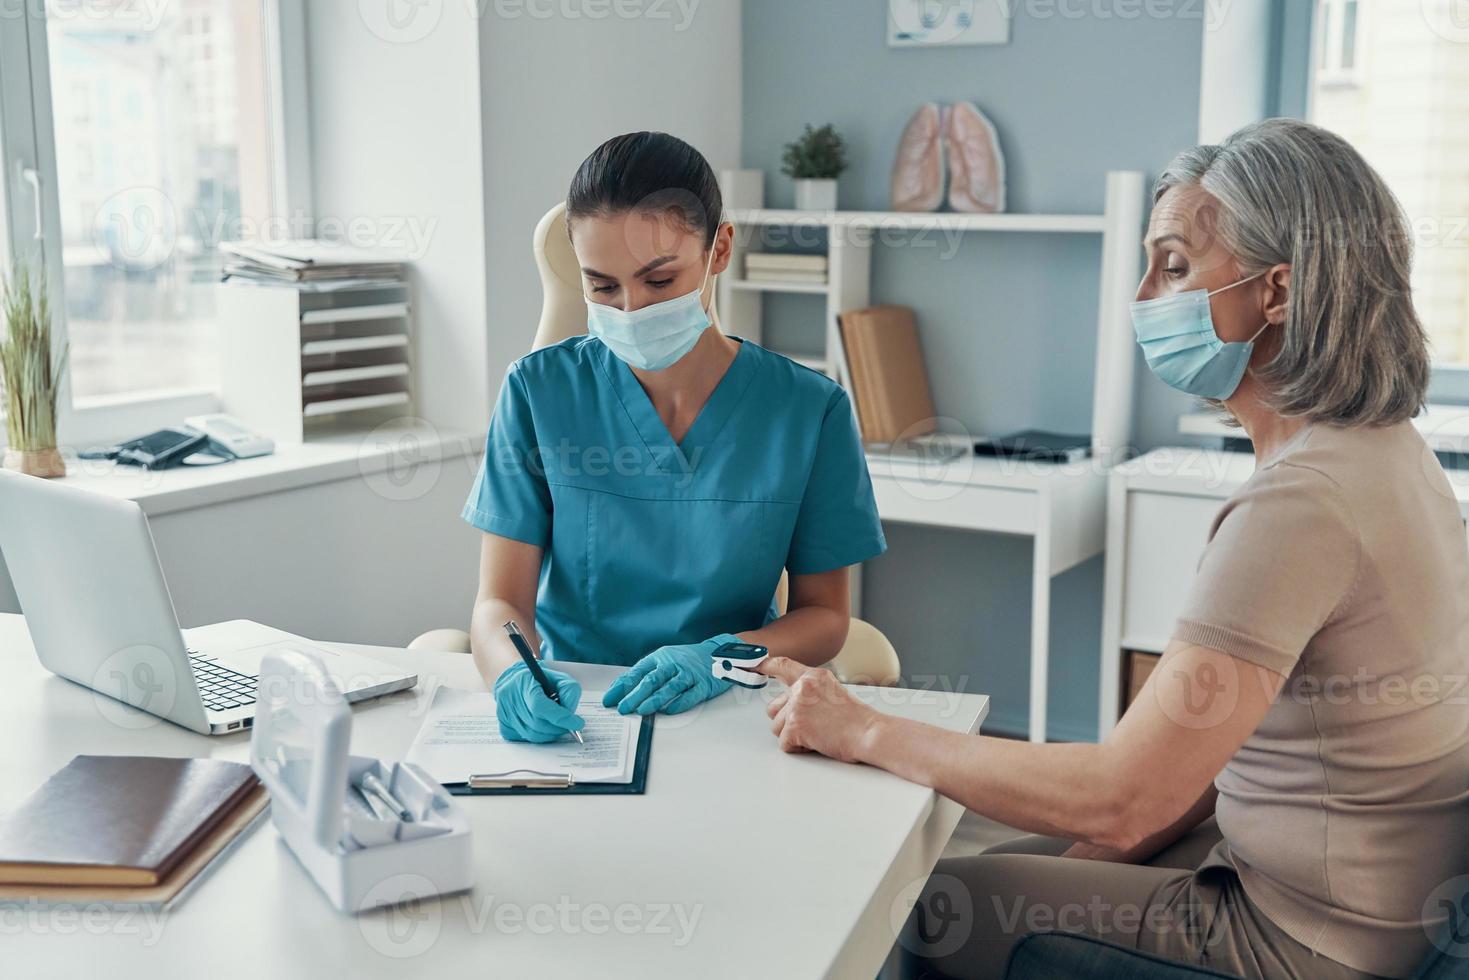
x=816, y=713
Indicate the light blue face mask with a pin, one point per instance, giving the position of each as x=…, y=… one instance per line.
x=655, y=336
x=1182, y=347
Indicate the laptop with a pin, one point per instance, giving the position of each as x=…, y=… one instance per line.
x=99, y=612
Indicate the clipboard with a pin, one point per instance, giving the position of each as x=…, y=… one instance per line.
x=528, y=782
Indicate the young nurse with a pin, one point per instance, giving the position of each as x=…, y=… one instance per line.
x=644, y=485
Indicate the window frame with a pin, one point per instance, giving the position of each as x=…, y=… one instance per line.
x=1326, y=38
x=27, y=139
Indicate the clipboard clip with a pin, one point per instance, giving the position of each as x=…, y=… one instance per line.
x=522, y=779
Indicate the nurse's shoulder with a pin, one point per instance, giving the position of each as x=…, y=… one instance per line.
x=556, y=364
x=798, y=386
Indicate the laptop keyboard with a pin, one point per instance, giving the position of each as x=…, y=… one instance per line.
x=220, y=687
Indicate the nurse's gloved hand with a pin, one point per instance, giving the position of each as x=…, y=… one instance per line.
x=670, y=679
x=524, y=711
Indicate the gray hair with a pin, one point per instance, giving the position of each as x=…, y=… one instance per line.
x=1352, y=350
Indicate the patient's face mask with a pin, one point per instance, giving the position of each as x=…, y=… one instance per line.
x=1182, y=347
x=656, y=336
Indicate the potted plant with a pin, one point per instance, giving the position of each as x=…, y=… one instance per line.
x=30, y=379
x=814, y=161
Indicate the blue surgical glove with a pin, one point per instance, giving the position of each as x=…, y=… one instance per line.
x=670, y=679
x=527, y=715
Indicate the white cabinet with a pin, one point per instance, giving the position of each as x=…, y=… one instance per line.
x=1164, y=536
x=1060, y=507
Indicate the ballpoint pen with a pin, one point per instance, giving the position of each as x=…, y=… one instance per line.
x=534, y=666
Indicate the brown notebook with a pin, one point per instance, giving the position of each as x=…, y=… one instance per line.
x=886, y=363
x=118, y=820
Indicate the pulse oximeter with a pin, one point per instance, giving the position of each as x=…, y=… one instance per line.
x=736, y=663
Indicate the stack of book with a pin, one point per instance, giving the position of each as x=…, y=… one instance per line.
x=889, y=382
x=318, y=264
x=779, y=267
x=125, y=829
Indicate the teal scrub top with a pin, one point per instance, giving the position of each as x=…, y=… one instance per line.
x=647, y=542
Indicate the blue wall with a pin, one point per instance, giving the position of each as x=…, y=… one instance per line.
x=1008, y=321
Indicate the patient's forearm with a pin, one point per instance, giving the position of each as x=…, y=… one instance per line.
x=493, y=651
x=1153, y=843
x=1063, y=790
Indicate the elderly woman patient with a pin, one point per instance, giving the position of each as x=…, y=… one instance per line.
x=1289, y=796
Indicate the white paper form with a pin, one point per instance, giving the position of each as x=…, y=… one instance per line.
x=460, y=737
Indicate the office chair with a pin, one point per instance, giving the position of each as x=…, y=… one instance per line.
x=866, y=658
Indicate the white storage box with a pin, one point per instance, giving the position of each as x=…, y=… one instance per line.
x=361, y=860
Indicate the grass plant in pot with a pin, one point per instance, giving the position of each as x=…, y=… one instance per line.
x=814, y=162
x=29, y=376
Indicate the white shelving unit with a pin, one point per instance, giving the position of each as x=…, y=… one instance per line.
x=295, y=357
x=851, y=236
x=1062, y=508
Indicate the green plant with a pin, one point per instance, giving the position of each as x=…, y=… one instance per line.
x=819, y=154
x=30, y=379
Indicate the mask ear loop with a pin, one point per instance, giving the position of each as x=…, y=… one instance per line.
x=714, y=293
x=1241, y=282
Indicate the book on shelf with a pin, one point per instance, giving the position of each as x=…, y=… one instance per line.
x=781, y=275
x=783, y=260
x=889, y=382
x=783, y=267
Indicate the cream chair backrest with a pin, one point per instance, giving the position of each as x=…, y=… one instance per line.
x=563, y=307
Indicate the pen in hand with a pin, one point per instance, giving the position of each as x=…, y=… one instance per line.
x=517, y=638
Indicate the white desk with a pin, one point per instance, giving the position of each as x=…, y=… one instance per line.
x=1160, y=507
x=1062, y=508
x=399, y=460
x=812, y=888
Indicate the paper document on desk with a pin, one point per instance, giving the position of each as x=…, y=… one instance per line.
x=460, y=738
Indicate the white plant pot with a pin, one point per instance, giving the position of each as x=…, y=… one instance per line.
x=816, y=195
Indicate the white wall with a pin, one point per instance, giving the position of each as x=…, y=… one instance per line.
x=395, y=145
x=554, y=87
x=1234, y=82
x=339, y=561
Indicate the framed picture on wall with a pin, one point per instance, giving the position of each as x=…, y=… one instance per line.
x=915, y=23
